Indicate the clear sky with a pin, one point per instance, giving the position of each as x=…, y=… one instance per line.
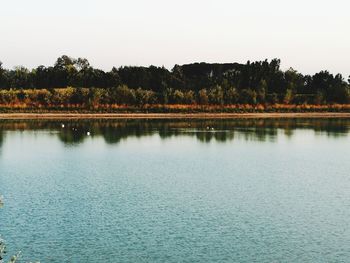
x=308, y=35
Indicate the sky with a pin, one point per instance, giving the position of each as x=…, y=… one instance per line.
x=308, y=35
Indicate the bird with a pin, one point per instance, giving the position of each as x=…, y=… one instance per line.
x=88, y=133
x=62, y=125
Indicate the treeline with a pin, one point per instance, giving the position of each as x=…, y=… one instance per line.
x=75, y=81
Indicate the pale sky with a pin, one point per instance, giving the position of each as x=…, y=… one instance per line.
x=308, y=35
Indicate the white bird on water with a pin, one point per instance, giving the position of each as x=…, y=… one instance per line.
x=62, y=125
x=88, y=133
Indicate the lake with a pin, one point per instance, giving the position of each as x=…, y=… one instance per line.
x=254, y=190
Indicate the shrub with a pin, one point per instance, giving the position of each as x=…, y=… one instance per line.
x=216, y=95
x=144, y=97
x=231, y=96
x=123, y=95
x=8, y=96
x=203, y=98
x=178, y=97
x=248, y=96
x=189, y=97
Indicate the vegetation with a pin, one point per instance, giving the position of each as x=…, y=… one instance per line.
x=263, y=86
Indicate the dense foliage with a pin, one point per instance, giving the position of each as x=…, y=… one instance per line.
x=75, y=81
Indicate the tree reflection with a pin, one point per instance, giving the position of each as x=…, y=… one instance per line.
x=75, y=132
x=1, y=138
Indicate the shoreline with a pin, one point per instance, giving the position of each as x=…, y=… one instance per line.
x=60, y=116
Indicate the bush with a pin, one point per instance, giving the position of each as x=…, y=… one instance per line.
x=8, y=96
x=216, y=95
x=189, y=97
x=144, y=97
x=248, y=96
x=288, y=97
x=203, y=98
x=231, y=96
x=123, y=95
x=62, y=96
x=178, y=97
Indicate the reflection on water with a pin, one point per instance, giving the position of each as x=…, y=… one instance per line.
x=113, y=131
x=277, y=190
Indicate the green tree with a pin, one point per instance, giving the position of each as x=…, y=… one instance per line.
x=178, y=97
x=231, y=96
x=214, y=83
x=203, y=97
x=2, y=76
x=261, y=92
x=124, y=95
x=189, y=97
x=144, y=97
x=288, y=96
x=216, y=95
x=319, y=98
x=20, y=78
x=248, y=96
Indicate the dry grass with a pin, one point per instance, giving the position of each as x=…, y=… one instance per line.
x=192, y=108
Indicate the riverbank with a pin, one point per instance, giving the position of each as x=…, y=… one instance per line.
x=25, y=116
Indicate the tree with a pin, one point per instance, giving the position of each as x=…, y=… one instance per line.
x=340, y=90
x=64, y=71
x=124, y=95
x=113, y=78
x=189, y=97
x=216, y=95
x=203, y=97
x=2, y=76
x=288, y=97
x=97, y=96
x=262, y=90
x=82, y=64
x=41, y=78
x=144, y=97
x=294, y=81
x=319, y=98
x=178, y=97
x=274, y=98
x=231, y=96
x=64, y=62
x=253, y=82
x=248, y=96
x=20, y=78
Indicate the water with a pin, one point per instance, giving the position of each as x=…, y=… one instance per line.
x=176, y=191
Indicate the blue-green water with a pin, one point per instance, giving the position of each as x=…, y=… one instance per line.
x=176, y=191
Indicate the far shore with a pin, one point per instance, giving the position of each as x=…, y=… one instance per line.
x=63, y=116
